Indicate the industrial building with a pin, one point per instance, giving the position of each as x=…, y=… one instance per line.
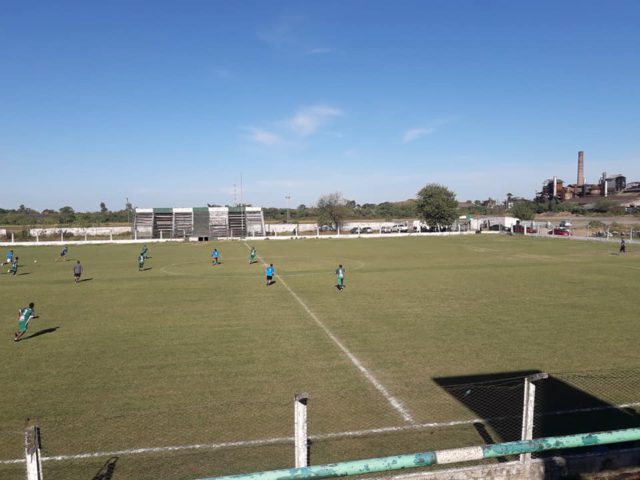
x=555, y=188
x=200, y=222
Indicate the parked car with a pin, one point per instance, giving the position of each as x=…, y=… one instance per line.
x=399, y=228
x=355, y=230
x=520, y=229
x=366, y=230
x=565, y=223
x=385, y=230
x=498, y=228
x=562, y=232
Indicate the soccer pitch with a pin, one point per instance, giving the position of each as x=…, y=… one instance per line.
x=195, y=356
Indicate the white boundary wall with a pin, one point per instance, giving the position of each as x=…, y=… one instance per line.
x=248, y=238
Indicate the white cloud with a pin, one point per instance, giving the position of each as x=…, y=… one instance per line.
x=262, y=136
x=309, y=119
x=415, y=133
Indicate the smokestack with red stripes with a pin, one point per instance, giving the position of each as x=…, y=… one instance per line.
x=580, y=169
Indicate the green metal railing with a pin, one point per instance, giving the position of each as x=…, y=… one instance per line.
x=440, y=457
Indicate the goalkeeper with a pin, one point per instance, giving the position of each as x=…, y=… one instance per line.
x=25, y=315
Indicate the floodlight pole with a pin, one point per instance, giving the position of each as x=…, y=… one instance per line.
x=287, y=197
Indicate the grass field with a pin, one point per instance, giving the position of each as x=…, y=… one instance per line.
x=186, y=353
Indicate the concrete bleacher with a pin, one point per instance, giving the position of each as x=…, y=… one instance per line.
x=200, y=222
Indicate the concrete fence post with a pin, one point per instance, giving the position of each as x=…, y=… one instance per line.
x=528, y=411
x=85, y=235
x=32, y=450
x=317, y=231
x=37, y=237
x=300, y=401
x=135, y=234
x=12, y=238
x=62, y=236
x=111, y=235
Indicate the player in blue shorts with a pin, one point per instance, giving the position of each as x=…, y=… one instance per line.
x=63, y=254
x=215, y=257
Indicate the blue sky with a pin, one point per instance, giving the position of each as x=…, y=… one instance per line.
x=169, y=103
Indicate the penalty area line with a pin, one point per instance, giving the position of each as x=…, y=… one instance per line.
x=394, y=402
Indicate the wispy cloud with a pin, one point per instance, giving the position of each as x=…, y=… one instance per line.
x=319, y=51
x=308, y=120
x=262, y=136
x=415, y=133
x=282, y=33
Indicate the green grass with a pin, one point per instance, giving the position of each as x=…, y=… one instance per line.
x=186, y=353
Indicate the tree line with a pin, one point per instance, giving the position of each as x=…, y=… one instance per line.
x=64, y=216
x=434, y=203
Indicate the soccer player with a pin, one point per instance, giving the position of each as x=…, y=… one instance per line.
x=145, y=252
x=623, y=247
x=77, y=271
x=215, y=257
x=140, y=262
x=340, y=276
x=24, y=317
x=63, y=253
x=270, y=273
x=252, y=255
x=9, y=257
x=14, y=266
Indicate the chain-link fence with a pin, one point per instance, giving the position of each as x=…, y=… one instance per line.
x=208, y=438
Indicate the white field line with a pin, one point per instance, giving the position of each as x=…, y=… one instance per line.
x=394, y=402
x=323, y=436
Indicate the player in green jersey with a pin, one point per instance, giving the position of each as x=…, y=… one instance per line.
x=340, y=278
x=25, y=315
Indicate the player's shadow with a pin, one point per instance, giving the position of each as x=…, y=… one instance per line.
x=561, y=408
x=146, y=269
x=44, y=331
x=107, y=470
x=85, y=280
x=272, y=282
x=24, y=273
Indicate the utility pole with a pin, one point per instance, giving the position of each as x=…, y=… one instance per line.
x=287, y=197
x=126, y=206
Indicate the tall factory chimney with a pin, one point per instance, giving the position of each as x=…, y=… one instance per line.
x=580, y=181
x=555, y=186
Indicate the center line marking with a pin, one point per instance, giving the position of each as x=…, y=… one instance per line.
x=395, y=403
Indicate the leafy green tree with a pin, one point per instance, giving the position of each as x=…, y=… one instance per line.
x=103, y=208
x=437, y=205
x=67, y=215
x=523, y=210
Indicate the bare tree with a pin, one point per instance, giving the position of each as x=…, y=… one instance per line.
x=332, y=210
